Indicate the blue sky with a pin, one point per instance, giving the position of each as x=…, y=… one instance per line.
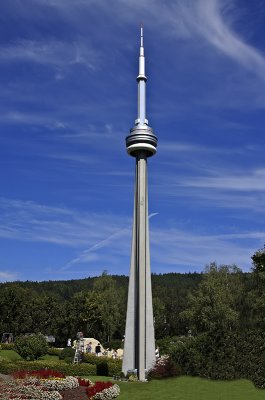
x=68, y=97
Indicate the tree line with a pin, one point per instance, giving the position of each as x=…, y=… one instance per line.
x=221, y=299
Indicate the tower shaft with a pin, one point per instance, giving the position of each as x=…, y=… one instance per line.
x=139, y=346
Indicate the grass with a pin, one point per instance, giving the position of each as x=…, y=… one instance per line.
x=187, y=388
x=11, y=355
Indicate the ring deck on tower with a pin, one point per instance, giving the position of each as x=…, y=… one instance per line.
x=142, y=137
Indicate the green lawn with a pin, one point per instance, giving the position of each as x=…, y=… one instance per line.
x=11, y=355
x=186, y=388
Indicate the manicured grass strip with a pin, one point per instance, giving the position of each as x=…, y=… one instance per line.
x=186, y=388
x=11, y=355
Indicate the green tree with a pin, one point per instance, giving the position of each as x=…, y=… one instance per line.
x=212, y=307
x=31, y=347
x=254, y=297
x=258, y=259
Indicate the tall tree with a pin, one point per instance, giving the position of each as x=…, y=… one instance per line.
x=212, y=306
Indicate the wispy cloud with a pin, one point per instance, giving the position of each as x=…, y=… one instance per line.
x=54, y=53
x=208, y=19
x=29, y=221
x=254, y=181
x=178, y=248
x=86, y=255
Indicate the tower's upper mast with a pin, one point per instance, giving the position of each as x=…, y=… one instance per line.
x=141, y=136
x=141, y=79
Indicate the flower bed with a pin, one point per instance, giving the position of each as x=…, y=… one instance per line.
x=103, y=391
x=41, y=373
x=51, y=385
x=20, y=391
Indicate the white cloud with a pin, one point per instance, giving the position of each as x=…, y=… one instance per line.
x=29, y=221
x=182, y=248
x=7, y=276
x=254, y=181
x=54, y=53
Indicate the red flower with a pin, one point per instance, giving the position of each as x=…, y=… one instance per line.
x=42, y=374
x=98, y=387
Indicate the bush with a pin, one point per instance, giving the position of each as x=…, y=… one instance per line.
x=115, y=367
x=93, y=359
x=31, y=347
x=223, y=356
x=165, y=367
x=67, y=354
x=103, y=369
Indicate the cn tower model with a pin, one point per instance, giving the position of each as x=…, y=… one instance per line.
x=139, y=343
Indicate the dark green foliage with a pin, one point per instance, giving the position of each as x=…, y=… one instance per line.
x=114, y=366
x=114, y=344
x=67, y=369
x=93, y=359
x=228, y=356
x=102, y=369
x=258, y=259
x=31, y=347
x=67, y=354
x=203, y=320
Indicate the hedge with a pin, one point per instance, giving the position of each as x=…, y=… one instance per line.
x=223, y=356
x=113, y=366
x=54, y=351
x=67, y=369
x=7, y=346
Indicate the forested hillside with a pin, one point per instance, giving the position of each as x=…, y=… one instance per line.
x=222, y=298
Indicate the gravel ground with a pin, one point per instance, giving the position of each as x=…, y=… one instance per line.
x=5, y=377
x=75, y=394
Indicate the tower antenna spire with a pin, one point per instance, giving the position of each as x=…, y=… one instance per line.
x=142, y=35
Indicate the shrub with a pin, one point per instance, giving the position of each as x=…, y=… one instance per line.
x=102, y=369
x=31, y=347
x=224, y=356
x=165, y=367
x=67, y=353
x=93, y=359
x=115, y=367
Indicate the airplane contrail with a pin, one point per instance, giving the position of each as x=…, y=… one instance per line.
x=99, y=245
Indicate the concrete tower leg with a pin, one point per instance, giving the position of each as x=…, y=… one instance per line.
x=139, y=346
